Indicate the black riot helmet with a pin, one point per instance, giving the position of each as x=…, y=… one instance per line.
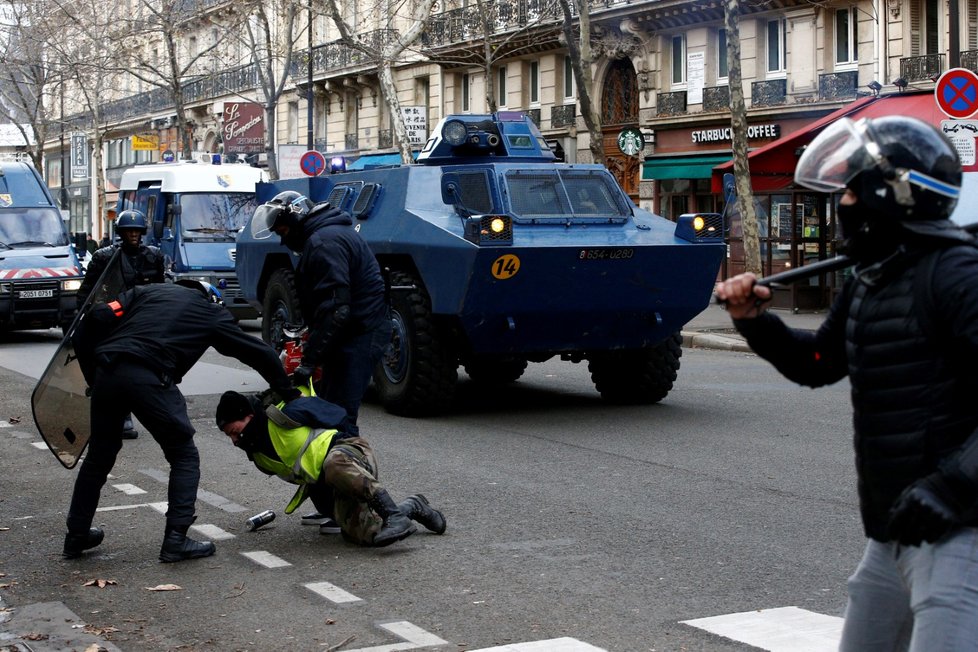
x=130, y=219
x=900, y=168
x=287, y=208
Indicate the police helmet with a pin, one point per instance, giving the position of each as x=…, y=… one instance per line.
x=287, y=208
x=897, y=166
x=210, y=292
x=130, y=219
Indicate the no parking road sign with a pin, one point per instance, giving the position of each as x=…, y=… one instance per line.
x=957, y=93
x=312, y=163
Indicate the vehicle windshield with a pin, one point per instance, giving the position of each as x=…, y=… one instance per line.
x=31, y=227
x=215, y=215
x=542, y=194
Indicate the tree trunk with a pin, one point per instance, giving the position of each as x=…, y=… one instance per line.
x=389, y=91
x=738, y=126
x=270, y=154
x=580, y=54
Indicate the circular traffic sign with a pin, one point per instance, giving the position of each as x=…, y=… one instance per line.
x=312, y=163
x=957, y=93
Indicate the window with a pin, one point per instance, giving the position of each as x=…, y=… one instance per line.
x=679, y=60
x=568, y=79
x=846, y=42
x=466, y=107
x=501, y=86
x=722, y=70
x=292, y=123
x=534, y=82
x=776, y=48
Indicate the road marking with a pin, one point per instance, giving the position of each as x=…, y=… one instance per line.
x=266, y=559
x=129, y=489
x=787, y=629
x=208, y=497
x=40, y=445
x=413, y=636
x=565, y=644
x=212, y=532
x=331, y=592
x=6, y=424
x=160, y=507
x=116, y=508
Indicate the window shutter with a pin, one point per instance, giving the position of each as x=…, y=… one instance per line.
x=915, y=28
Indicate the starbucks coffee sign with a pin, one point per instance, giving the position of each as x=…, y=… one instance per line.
x=630, y=141
x=725, y=133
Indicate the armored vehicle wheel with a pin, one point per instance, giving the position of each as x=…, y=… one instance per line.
x=637, y=376
x=280, y=307
x=418, y=373
x=495, y=371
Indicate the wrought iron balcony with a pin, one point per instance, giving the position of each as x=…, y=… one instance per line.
x=770, y=92
x=922, y=68
x=969, y=60
x=337, y=56
x=533, y=114
x=221, y=83
x=716, y=98
x=137, y=106
x=562, y=116
x=670, y=103
x=487, y=19
x=385, y=138
x=838, y=85
x=351, y=142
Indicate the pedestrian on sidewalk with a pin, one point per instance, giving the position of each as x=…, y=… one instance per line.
x=904, y=329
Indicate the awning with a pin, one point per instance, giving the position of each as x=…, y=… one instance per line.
x=681, y=167
x=374, y=160
x=772, y=167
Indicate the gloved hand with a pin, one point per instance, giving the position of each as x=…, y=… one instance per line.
x=302, y=374
x=925, y=511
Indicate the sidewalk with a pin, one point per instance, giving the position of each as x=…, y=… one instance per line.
x=713, y=329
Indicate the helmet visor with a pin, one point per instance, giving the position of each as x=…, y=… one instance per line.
x=836, y=156
x=264, y=220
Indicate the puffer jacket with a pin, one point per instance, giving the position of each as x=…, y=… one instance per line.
x=913, y=377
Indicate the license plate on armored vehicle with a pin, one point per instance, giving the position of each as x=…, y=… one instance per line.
x=35, y=294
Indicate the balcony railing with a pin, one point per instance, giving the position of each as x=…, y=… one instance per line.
x=770, y=92
x=137, y=106
x=921, y=68
x=351, y=142
x=969, y=60
x=716, y=98
x=335, y=55
x=221, y=83
x=487, y=19
x=670, y=103
x=562, y=116
x=533, y=114
x=838, y=85
x=385, y=138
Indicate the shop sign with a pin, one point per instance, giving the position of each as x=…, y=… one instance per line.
x=244, y=128
x=631, y=141
x=145, y=142
x=726, y=133
x=416, y=123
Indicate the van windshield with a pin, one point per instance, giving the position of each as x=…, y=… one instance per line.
x=31, y=227
x=215, y=215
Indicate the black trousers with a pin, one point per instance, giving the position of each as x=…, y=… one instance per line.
x=158, y=404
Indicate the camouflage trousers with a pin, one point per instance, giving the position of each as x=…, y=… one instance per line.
x=350, y=469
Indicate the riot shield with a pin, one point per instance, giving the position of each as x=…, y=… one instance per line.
x=59, y=401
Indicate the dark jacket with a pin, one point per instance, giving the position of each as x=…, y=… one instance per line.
x=140, y=267
x=913, y=378
x=167, y=328
x=310, y=411
x=337, y=268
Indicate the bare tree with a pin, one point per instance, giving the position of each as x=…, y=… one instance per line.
x=168, y=55
x=386, y=51
x=579, y=50
x=738, y=126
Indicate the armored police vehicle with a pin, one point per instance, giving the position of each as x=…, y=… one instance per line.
x=194, y=210
x=39, y=271
x=497, y=256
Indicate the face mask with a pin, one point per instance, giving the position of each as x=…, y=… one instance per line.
x=867, y=236
x=294, y=240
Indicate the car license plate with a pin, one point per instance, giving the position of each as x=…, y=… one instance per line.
x=35, y=294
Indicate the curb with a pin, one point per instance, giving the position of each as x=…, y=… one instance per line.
x=692, y=339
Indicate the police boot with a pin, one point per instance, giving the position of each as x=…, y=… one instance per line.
x=177, y=546
x=76, y=544
x=397, y=526
x=416, y=508
x=128, y=429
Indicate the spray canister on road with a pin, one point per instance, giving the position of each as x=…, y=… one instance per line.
x=261, y=519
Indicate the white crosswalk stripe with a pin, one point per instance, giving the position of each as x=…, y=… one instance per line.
x=331, y=592
x=786, y=629
x=266, y=559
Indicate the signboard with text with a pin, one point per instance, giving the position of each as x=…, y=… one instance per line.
x=289, y=157
x=244, y=128
x=416, y=121
x=145, y=142
x=79, y=156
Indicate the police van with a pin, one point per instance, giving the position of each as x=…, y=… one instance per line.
x=39, y=270
x=193, y=211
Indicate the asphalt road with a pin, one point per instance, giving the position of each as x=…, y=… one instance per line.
x=571, y=523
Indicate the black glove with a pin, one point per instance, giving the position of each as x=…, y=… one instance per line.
x=302, y=374
x=925, y=511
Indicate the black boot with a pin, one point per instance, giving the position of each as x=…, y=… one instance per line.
x=75, y=544
x=177, y=546
x=397, y=526
x=416, y=508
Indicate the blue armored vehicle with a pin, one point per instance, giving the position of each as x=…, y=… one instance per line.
x=497, y=256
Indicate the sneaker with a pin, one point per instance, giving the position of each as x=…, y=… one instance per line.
x=313, y=519
x=329, y=526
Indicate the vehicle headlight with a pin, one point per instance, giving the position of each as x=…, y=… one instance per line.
x=71, y=285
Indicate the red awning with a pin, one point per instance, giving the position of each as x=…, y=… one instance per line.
x=772, y=167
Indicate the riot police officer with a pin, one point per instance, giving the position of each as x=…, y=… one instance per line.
x=904, y=329
x=141, y=264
